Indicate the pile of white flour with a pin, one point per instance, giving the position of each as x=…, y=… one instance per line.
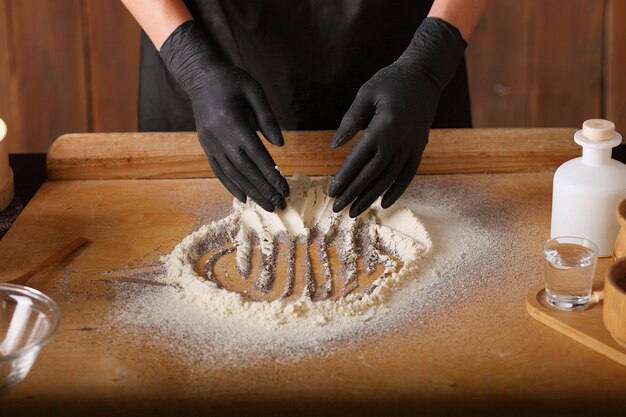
x=309, y=212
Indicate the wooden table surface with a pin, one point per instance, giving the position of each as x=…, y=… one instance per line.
x=485, y=356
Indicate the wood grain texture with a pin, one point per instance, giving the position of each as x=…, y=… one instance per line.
x=9, y=109
x=497, y=59
x=474, y=354
x=615, y=63
x=51, y=92
x=566, y=62
x=614, y=313
x=179, y=155
x=113, y=42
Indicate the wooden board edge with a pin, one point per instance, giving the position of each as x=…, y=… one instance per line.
x=539, y=313
x=167, y=155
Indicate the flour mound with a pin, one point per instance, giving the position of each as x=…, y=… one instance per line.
x=308, y=218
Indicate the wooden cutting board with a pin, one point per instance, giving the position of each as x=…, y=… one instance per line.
x=137, y=195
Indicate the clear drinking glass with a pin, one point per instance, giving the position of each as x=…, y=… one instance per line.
x=570, y=264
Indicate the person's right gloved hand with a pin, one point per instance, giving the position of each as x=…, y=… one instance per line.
x=223, y=97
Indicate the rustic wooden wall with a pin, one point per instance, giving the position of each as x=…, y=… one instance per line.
x=72, y=66
x=66, y=66
x=549, y=63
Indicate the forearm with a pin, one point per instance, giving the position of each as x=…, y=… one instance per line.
x=158, y=18
x=463, y=14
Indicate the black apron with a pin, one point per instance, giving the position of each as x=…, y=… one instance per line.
x=311, y=57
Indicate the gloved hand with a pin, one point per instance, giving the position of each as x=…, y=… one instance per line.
x=403, y=99
x=223, y=98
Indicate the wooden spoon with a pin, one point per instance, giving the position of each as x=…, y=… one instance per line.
x=51, y=260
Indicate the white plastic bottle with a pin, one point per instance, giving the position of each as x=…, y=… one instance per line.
x=586, y=190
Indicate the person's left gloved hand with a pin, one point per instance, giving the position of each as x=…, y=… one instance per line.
x=403, y=100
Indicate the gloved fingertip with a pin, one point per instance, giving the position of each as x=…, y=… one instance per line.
x=276, y=141
x=275, y=137
x=284, y=188
x=279, y=201
x=338, y=205
x=280, y=140
x=337, y=141
x=355, y=210
x=387, y=201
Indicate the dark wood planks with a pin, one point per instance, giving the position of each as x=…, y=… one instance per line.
x=540, y=63
x=497, y=60
x=66, y=66
x=615, y=63
x=6, y=109
x=51, y=91
x=72, y=65
x=565, y=62
x=113, y=43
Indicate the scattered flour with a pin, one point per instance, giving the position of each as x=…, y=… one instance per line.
x=473, y=234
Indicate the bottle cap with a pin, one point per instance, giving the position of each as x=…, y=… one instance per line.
x=598, y=129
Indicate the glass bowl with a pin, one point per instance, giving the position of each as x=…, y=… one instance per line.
x=28, y=320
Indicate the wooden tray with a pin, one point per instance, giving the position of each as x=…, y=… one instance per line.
x=584, y=326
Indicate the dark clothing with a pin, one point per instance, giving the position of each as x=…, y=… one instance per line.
x=310, y=57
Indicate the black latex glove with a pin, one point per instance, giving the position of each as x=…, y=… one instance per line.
x=403, y=100
x=224, y=98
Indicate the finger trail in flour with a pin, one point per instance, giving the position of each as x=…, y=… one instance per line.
x=291, y=269
x=308, y=228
